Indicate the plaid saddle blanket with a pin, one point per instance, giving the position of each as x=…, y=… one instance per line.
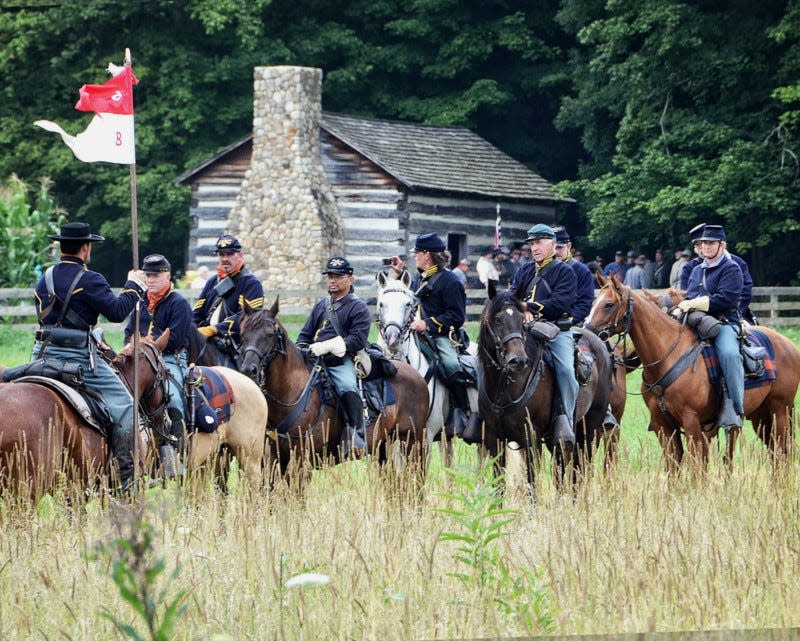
x=213, y=402
x=758, y=339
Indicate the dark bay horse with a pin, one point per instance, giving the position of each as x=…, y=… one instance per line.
x=307, y=428
x=201, y=351
x=516, y=388
x=690, y=403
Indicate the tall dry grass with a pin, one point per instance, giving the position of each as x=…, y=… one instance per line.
x=633, y=551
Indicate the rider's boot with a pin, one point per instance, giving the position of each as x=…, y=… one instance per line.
x=122, y=444
x=472, y=433
x=562, y=431
x=354, y=443
x=458, y=394
x=170, y=451
x=610, y=421
x=728, y=417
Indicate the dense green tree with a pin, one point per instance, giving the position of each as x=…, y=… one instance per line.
x=674, y=101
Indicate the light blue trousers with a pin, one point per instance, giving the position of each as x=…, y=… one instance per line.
x=344, y=377
x=563, y=350
x=178, y=370
x=730, y=361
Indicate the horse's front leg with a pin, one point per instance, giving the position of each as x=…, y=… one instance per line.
x=668, y=435
x=731, y=436
x=696, y=443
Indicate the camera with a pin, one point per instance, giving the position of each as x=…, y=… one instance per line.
x=387, y=261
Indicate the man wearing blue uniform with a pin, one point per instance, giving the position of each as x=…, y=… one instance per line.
x=218, y=309
x=443, y=304
x=548, y=288
x=715, y=287
x=167, y=309
x=747, y=279
x=584, y=294
x=69, y=298
x=336, y=330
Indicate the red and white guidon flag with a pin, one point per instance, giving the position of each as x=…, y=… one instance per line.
x=109, y=137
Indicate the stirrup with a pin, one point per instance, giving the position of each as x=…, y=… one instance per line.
x=610, y=421
x=562, y=430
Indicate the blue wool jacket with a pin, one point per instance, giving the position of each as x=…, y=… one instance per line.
x=584, y=292
x=246, y=288
x=91, y=297
x=443, y=301
x=554, y=300
x=173, y=312
x=354, y=320
x=747, y=280
x=722, y=283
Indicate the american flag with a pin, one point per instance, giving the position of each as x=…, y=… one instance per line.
x=498, y=229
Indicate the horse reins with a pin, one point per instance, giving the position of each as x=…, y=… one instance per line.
x=153, y=358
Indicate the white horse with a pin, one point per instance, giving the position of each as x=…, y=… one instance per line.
x=397, y=308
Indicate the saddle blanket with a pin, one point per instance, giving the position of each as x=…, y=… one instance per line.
x=758, y=339
x=214, y=401
x=378, y=393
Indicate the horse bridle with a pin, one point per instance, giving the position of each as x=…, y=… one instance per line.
x=278, y=348
x=153, y=358
x=403, y=330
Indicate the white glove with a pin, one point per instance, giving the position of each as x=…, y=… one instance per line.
x=333, y=346
x=137, y=276
x=701, y=303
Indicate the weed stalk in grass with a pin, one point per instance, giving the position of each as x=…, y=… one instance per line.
x=135, y=569
x=481, y=523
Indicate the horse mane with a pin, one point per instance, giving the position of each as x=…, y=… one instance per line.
x=259, y=319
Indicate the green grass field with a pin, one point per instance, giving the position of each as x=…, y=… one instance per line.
x=633, y=550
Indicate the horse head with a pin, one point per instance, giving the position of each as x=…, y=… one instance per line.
x=612, y=308
x=262, y=338
x=501, y=338
x=397, y=305
x=152, y=374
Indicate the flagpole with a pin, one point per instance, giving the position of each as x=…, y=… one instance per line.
x=137, y=307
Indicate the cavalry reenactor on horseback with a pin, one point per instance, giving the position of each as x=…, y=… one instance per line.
x=584, y=294
x=548, y=287
x=443, y=304
x=747, y=280
x=715, y=287
x=69, y=298
x=217, y=310
x=167, y=309
x=335, y=331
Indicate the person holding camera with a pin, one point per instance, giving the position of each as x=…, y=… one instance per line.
x=218, y=309
x=548, y=287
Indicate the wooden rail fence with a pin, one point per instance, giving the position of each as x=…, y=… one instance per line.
x=774, y=306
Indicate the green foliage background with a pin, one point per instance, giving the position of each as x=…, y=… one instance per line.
x=654, y=115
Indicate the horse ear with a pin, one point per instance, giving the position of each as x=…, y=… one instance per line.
x=381, y=279
x=275, y=306
x=406, y=278
x=161, y=342
x=491, y=288
x=598, y=275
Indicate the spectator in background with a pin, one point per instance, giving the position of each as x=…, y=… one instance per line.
x=578, y=255
x=647, y=271
x=461, y=272
x=487, y=270
x=617, y=267
x=628, y=264
x=506, y=268
x=524, y=254
x=660, y=271
x=682, y=257
x=633, y=278
x=199, y=281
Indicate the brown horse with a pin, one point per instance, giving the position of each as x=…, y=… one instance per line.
x=42, y=438
x=304, y=427
x=690, y=401
x=516, y=389
x=244, y=434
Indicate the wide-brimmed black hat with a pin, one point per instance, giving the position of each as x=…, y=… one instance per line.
x=338, y=265
x=155, y=264
x=76, y=231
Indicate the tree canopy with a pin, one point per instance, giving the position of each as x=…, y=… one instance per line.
x=653, y=115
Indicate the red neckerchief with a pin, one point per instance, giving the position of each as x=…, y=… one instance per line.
x=221, y=273
x=154, y=299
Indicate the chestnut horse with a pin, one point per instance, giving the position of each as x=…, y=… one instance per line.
x=305, y=427
x=244, y=433
x=690, y=401
x=516, y=389
x=43, y=438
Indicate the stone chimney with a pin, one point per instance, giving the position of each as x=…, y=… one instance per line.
x=286, y=215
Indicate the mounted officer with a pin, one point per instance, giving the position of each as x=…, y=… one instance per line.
x=336, y=329
x=548, y=287
x=69, y=298
x=715, y=287
x=443, y=304
x=217, y=310
x=167, y=309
